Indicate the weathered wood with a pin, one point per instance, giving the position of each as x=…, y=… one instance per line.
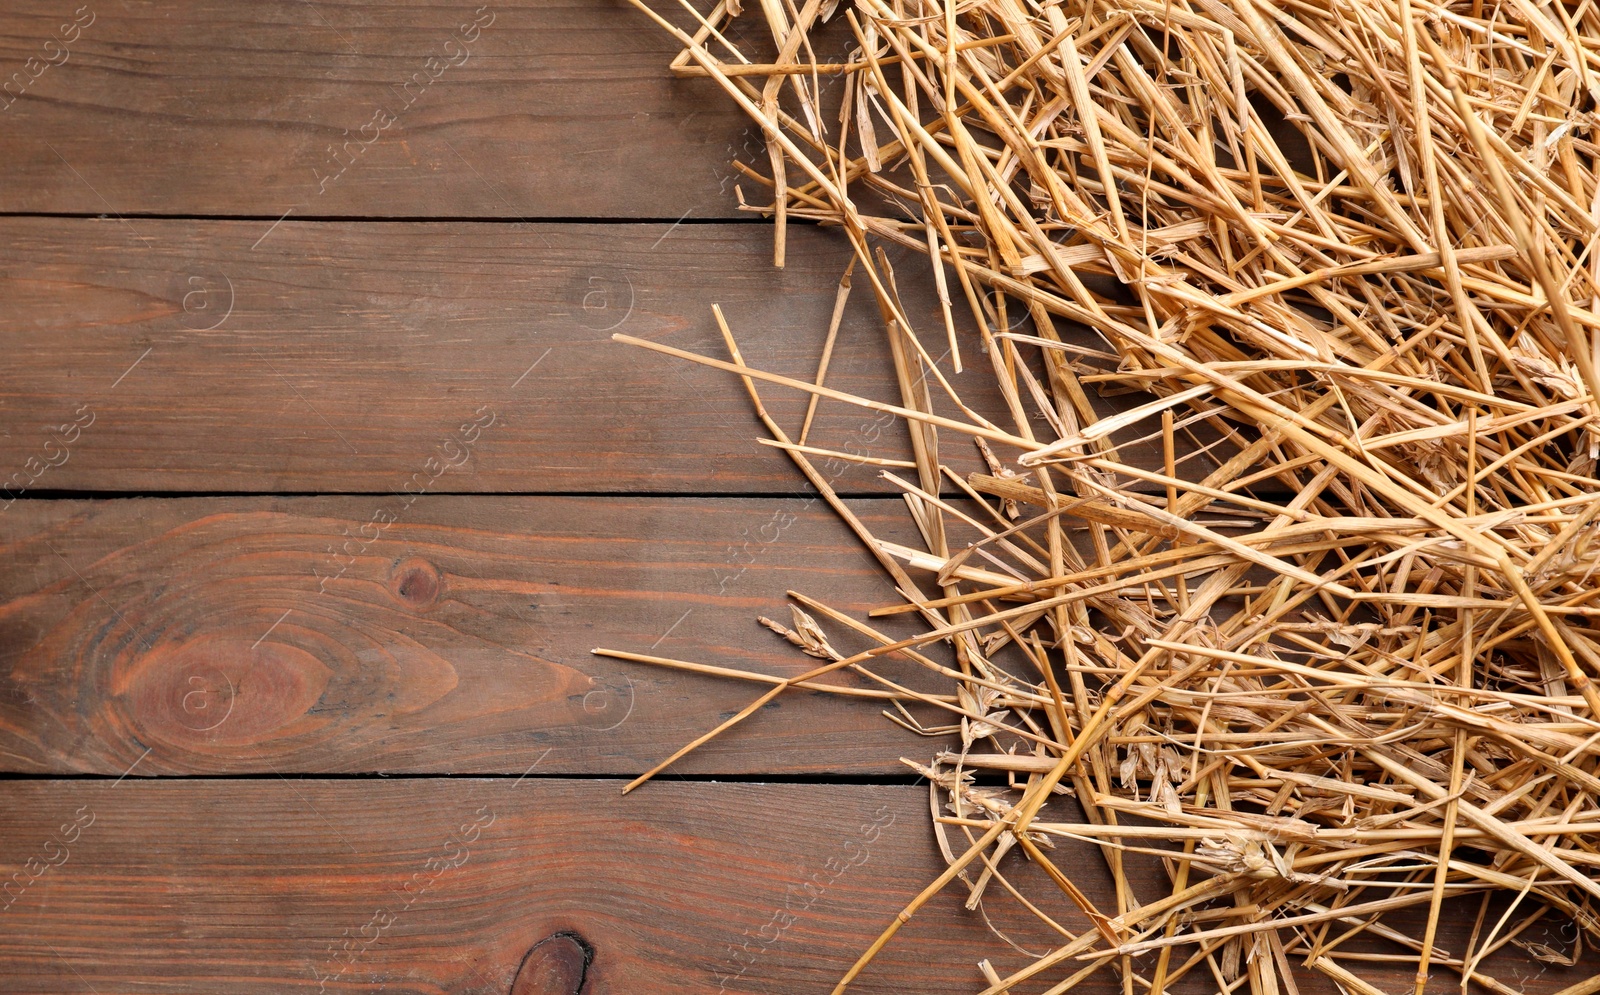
x=451, y=635
x=341, y=356
x=450, y=885
x=537, y=885
x=538, y=109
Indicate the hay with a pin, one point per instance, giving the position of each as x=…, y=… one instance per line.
x=1333, y=660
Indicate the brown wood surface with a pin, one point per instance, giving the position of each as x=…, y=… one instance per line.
x=559, y=110
x=451, y=636
x=255, y=887
x=530, y=886
x=341, y=356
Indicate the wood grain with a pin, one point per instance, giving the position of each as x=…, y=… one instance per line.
x=360, y=634
x=551, y=109
x=215, y=356
x=531, y=886
x=250, y=888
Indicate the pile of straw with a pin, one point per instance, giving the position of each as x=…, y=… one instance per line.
x=1333, y=661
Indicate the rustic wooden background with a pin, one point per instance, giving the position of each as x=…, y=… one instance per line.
x=269, y=721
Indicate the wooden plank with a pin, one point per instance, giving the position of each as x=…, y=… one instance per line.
x=212, y=356
x=505, y=885
x=360, y=634
x=256, y=887
x=541, y=109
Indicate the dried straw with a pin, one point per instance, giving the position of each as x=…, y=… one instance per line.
x=1352, y=242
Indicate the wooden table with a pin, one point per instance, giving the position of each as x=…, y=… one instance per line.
x=327, y=477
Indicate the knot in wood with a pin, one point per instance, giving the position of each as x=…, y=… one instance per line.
x=416, y=583
x=557, y=965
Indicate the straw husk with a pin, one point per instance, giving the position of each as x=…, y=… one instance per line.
x=1333, y=657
